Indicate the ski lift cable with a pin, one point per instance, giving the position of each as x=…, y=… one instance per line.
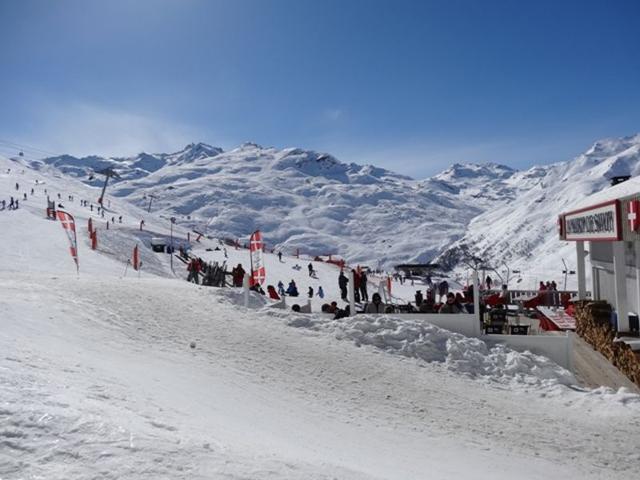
x=23, y=146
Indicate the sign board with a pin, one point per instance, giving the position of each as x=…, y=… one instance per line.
x=599, y=222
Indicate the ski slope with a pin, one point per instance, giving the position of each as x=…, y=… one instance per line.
x=98, y=380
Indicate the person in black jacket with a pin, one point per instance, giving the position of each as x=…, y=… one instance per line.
x=343, y=281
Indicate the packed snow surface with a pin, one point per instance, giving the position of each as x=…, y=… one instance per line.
x=98, y=378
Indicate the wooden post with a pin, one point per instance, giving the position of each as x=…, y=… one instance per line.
x=582, y=288
x=619, y=269
x=351, y=293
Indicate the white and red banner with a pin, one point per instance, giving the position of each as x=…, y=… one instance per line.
x=258, y=272
x=634, y=215
x=69, y=225
x=135, y=261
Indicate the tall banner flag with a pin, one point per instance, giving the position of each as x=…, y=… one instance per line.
x=69, y=225
x=136, y=258
x=258, y=272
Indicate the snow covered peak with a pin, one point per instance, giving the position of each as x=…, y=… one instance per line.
x=193, y=151
x=467, y=171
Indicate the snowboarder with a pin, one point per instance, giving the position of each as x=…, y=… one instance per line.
x=343, y=281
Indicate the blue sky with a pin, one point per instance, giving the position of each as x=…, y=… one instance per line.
x=411, y=86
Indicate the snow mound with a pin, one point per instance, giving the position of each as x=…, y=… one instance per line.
x=459, y=354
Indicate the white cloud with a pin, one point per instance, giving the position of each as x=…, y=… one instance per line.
x=83, y=128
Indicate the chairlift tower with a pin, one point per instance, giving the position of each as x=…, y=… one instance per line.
x=108, y=173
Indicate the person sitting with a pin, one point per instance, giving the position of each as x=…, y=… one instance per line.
x=376, y=305
x=428, y=305
x=450, y=306
x=292, y=289
x=341, y=313
x=272, y=293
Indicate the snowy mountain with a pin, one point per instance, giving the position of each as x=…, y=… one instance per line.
x=312, y=201
x=520, y=232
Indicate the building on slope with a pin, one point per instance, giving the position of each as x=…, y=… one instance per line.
x=609, y=221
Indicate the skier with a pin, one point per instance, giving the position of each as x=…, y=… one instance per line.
x=120, y=219
x=25, y=196
x=310, y=292
x=320, y=292
x=32, y=191
x=310, y=267
x=141, y=221
x=17, y=186
x=280, y=256
x=11, y=203
x=342, y=284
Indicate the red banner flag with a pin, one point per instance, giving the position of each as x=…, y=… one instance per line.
x=69, y=225
x=136, y=258
x=258, y=272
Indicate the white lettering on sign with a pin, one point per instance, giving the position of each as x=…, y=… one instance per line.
x=597, y=223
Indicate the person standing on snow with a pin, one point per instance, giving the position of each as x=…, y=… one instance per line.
x=488, y=282
x=281, y=288
x=343, y=281
x=310, y=267
x=280, y=256
x=363, y=286
x=320, y=292
x=310, y=292
x=443, y=289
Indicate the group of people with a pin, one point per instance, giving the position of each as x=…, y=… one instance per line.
x=548, y=286
x=359, y=285
x=453, y=302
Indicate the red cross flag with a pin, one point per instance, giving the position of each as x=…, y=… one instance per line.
x=258, y=272
x=634, y=214
x=69, y=225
